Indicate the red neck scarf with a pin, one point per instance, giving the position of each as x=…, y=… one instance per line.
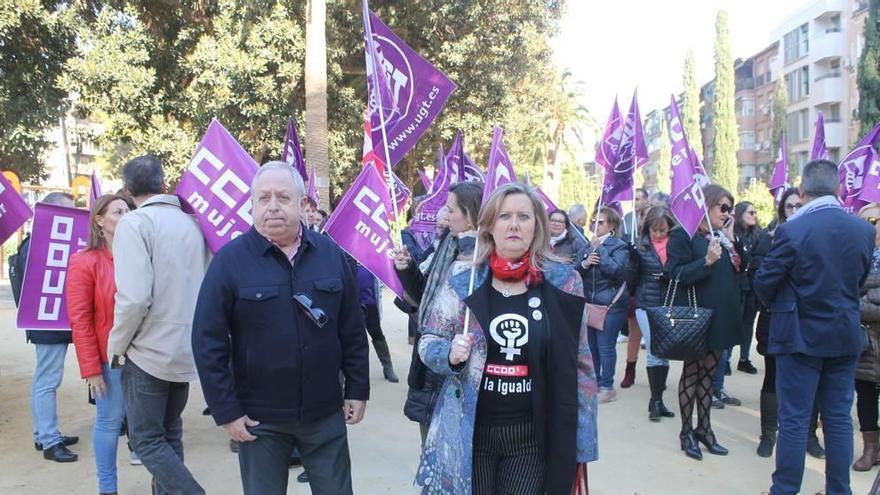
x=508, y=271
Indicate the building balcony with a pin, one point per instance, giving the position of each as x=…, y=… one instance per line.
x=827, y=89
x=828, y=45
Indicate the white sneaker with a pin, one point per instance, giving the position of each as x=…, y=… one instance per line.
x=607, y=395
x=622, y=339
x=135, y=460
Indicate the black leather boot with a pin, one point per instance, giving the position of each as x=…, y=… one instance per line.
x=384, y=354
x=664, y=372
x=689, y=445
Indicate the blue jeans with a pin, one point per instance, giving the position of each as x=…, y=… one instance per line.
x=603, y=345
x=718, y=379
x=153, y=407
x=800, y=382
x=645, y=327
x=47, y=379
x=108, y=421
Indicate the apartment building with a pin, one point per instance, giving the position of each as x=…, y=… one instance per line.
x=815, y=54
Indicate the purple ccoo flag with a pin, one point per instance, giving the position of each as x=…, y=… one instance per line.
x=608, y=150
x=58, y=232
x=95, y=189
x=819, y=151
x=216, y=187
x=859, y=173
x=361, y=226
x=500, y=170
x=409, y=90
x=686, y=198
x=779, y=182
x=14, y=210
x=292, y=153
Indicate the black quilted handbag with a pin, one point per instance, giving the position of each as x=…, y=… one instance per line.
x=679, y=333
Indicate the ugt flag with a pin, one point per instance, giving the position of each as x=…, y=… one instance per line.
x=608, y=150
x=58, y=233
x=859, y=173
x=619, y=180
x=779, y=182
x=14, y=210
x=819, y=151
x=500, y=170
x=407, y=90
x=292, y=153
x=361, y=226
x=686, y=198
x=216, y=186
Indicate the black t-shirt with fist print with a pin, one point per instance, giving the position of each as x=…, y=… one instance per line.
x=506, y=387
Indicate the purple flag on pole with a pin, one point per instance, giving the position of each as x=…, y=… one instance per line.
x=686, y=196
x=216, y=187
x=632, y=153
x=471, y=171
x=779, y=182
x=14, y=210
x=819, y=152
x=410, y=91
x=500, y=170
x=361, y=226
x=58, y=232
x=701, y=177
x=608, y=150
x=313, y=187
x=454, y=158
x=292, y=153
x=426, y=181
x=425, y=219
x=548, y=205
x=95, y=189
x=859, y=173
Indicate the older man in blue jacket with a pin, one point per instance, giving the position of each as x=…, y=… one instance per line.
x=810, y=283
x=273, y=328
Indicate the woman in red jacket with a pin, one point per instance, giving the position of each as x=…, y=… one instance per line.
x=90, y=292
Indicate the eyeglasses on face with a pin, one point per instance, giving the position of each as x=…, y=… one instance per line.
x=793, y=206
x=317, y=315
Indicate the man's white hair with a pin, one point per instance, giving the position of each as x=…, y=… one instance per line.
x=298, y=183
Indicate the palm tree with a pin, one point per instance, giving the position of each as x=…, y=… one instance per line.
x=317, y=135
x=567, y=123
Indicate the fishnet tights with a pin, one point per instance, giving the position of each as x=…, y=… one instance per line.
x=695, y=388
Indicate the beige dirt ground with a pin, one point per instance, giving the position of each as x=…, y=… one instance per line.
x=636, y=456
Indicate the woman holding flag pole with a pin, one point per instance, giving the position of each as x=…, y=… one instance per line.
x=518, y=412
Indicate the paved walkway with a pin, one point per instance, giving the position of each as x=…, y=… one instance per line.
x=637, y=457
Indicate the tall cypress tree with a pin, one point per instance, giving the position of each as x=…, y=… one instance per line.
x=664, y=170
x=690, y=106
x=726, y=140
x=869, y=71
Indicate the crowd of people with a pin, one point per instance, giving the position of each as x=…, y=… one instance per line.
x=514, y=314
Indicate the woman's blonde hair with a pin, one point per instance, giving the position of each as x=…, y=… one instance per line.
x=539, y=250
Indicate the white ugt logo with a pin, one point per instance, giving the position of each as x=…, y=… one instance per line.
x=511, y=332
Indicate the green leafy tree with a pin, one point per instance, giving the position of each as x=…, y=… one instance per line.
x=726, y=139
x=36, y=38
x=757, y=194
x=869, y=71
x=664, y=164
x=576, y=187
x=690, y=105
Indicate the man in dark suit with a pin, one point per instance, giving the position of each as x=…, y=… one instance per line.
x=273, y=330
x=810, y=282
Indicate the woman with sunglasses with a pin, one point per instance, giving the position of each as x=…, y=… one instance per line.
x=789, y=204
x=604, y=266
x=868, y=371
x=708, y=262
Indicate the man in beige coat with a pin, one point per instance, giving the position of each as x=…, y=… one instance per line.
x=160, y=259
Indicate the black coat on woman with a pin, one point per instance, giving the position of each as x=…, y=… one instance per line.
x=569, y=247
x=603, y=281
x=652, y=281
x=717, y=287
